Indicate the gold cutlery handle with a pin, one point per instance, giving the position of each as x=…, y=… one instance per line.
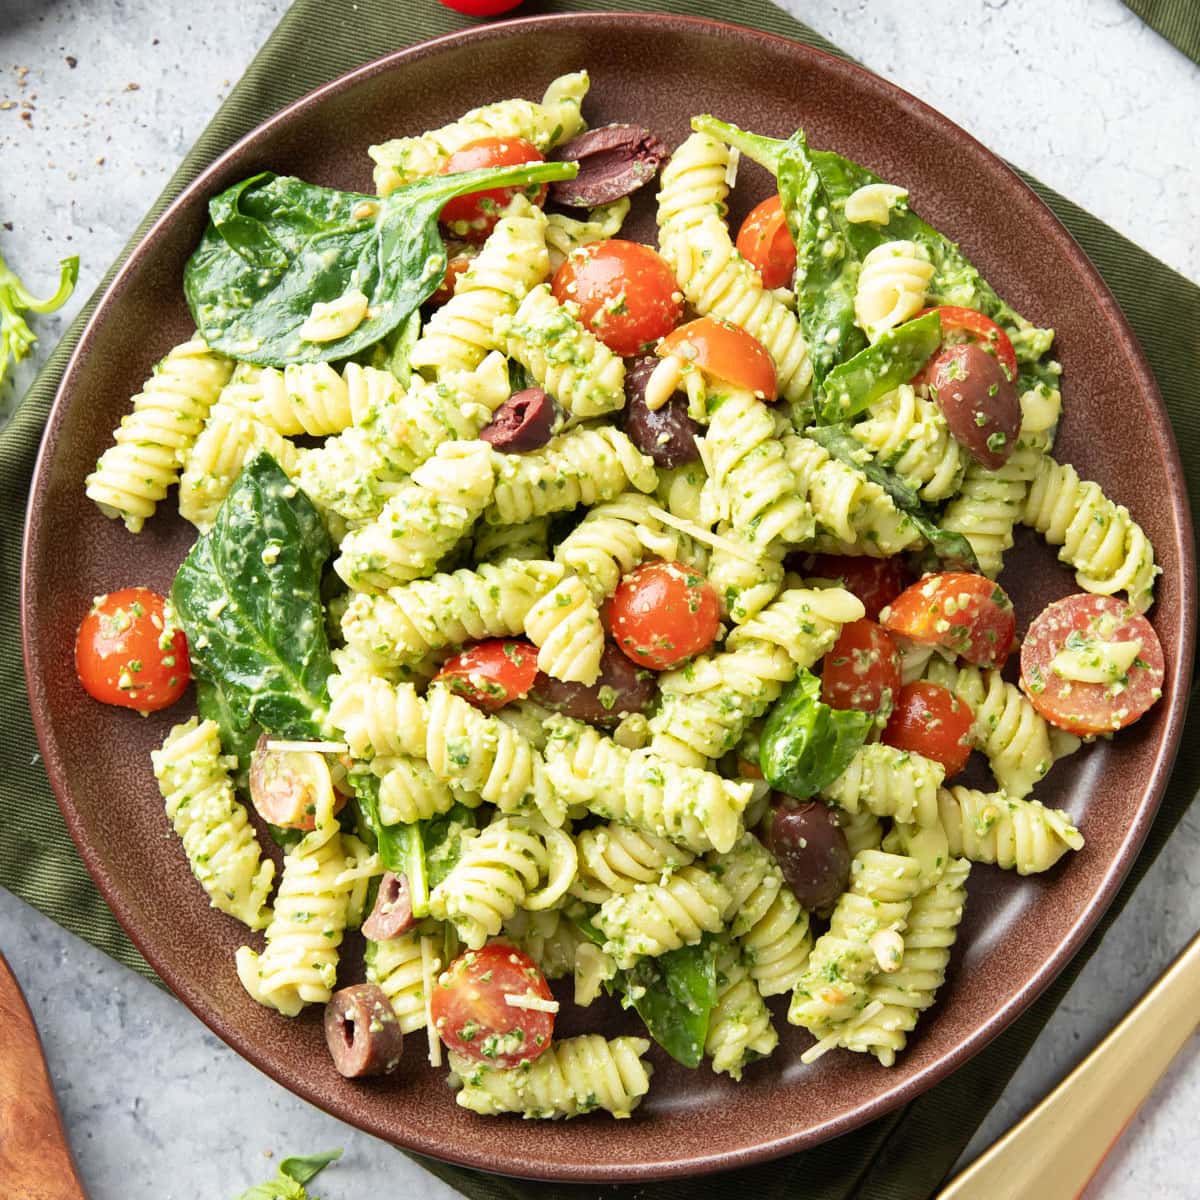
x=1056, y=1149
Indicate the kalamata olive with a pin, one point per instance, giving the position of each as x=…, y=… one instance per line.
x=362, y=1032
x=667, y=434
x=392, y=914
x=811, y=851
x=622, y=688
x=524, y=421
x=979, y=402
x=614, y=161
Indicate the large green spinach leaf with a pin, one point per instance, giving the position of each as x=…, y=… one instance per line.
x=674, y=995
x=276, y=246
x=806, y=744
x=248, y=598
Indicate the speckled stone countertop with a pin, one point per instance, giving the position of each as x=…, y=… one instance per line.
x=110, y=93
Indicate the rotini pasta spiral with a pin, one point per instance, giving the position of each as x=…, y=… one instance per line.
x=1099, y=539
x=708, y=704
x=714, y=277
x=750, y=483
x=614, y=857
x=889, y=783
x=834, y=985
x=410, y=791
x=611, y=540
x=891, y=286
x=483, y=755
x=574, y=1076
x=495, y=543
x=654, y=918
x=423, y=521
x=376, y=716
x=909, y=435
x=862, y=829
x=565, y=359
x=993, y=828
x=397, y=966
x=406, y=623
x=907, y=992
x=746, y=580
x=695, y=808
x=581, y=466
x=310, y=398
x=556, y=119
x=513, y=260
x=299, y=965
x=565, y=625
x=739, y=1027
x=150, y=444
x=217, y=836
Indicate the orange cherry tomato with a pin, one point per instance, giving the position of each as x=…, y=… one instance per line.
x=969, y=615
x=626, y=292
x=875, y=581
x=862, y=670
x=125, y=654
x=1083, y=622
x=472, y=1017
x=765, y=242
x=969, y=325
x=727, y=352
x=454, y=269
x=663, y=614
x=492, y=674
x=930, y=720
x=473, y=216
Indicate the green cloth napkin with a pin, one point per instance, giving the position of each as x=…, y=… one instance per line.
x=901, y=1157
x=1177, y=20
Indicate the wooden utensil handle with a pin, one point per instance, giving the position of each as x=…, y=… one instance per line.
x=35, y=1159
x=1056, y=1149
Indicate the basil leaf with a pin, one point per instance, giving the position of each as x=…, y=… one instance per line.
x=852, y=386
x=443, y=837
x=291, y=1177
x=239, y=731
x=674, y=994
x=248, y=598
x=826, y=265
x=805, y=744
x=949, y=550
x=275, y=246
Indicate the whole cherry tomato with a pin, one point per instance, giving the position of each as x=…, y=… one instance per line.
x=663, y=613
x=492, y=674
x=473, y=216
x=930, y=720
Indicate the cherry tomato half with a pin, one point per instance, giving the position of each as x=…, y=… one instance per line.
x=481, y=8
x=969, y=325
x=862, y=670
x=125, y=654
x=626, y=292
x=875, y=581
x=492, y=674
x=472, y=1017
x=765, y=242
x=969, y=615
x=727, y=352
x=663, y=613
x=454, y=269
x=930, y=720
x=289, y=787
x=1086, y=624
x=473, y=216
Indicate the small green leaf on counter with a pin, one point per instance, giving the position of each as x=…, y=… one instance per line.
x=16, y=338
x=805, y=743
x=293, y=1174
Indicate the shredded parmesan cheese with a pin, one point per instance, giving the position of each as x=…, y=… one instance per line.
x=832, y=1040
x=308, y=747
x=429, y=966
x=705, y=535
x=530, y=1001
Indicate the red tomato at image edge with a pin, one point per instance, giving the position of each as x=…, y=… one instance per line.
x=662, y=614
x=125, y=656
x=472, y=1017
x=481, y=8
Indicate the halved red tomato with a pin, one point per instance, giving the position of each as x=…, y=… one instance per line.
x=969, y=615
x=862, y=670
x=492, y=674
x=727, y=352
x=473, y=216
x=765, y=242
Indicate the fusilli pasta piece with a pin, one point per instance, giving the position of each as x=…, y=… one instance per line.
x=564, y=358
x=746, y=578
x=376, y=716
x=217, y=836
x=889, y=783
x=862, y=829
x=409, y=791
x=739, y=1027
x=565, y=625
x=150, y=444
x=564, y=234
x=396, y=966
x=611, y=540
x=574, y=1076
x=891, y=286
x=614, y=857
x=548, y=937
x=993, y=828
x=309, y=398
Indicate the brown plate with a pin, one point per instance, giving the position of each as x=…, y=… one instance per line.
x=1018, y=933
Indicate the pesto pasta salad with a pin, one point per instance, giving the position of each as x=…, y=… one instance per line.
x=566, y=608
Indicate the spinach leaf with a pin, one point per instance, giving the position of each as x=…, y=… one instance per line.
x=855, y=384
x=826, y=265
x=805, y=744
x=674, y=994
x=951, y=550
x=239, y=731
x=293, y=1174
x=248, y=598
x=275, y=246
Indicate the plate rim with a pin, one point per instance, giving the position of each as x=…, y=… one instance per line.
x=1049, y=226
